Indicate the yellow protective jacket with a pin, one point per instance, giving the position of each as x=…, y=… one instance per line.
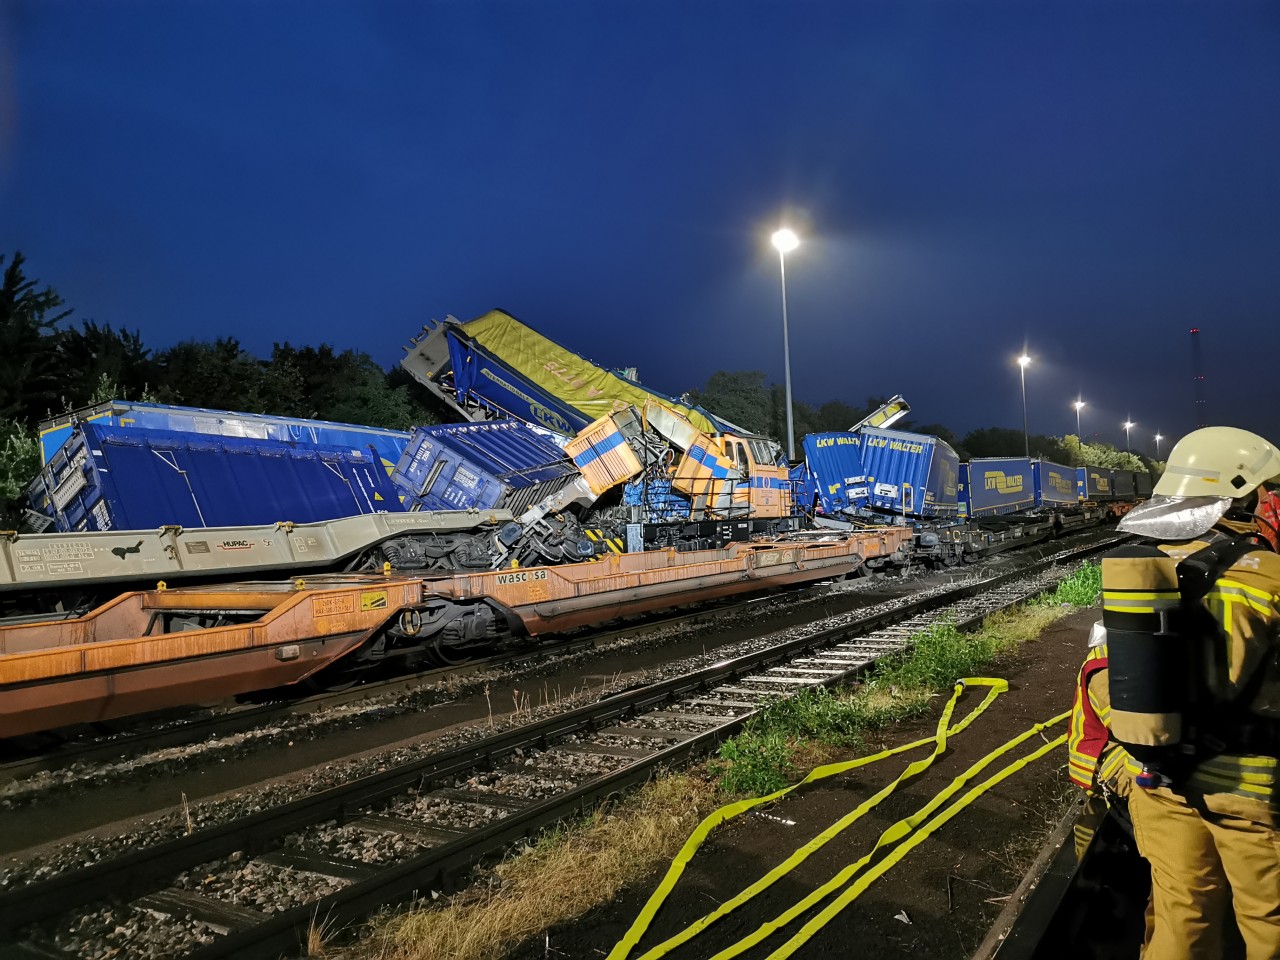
x=1245, y=601
x=1093, y=758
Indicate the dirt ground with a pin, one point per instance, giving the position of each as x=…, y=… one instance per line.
x=939, y=901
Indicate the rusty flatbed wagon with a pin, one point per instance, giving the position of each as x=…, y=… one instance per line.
x=155, y=649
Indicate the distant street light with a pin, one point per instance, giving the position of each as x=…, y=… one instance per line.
x=1158, y=439
x=1026, y=437
x=1079, y=405
x=1128, y=425
x=786, y=241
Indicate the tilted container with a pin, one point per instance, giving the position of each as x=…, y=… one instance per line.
x=390, y=444
x=129, y=478
x=913, y=474
x=494, y=464
x=890, y=471
x=834, y=472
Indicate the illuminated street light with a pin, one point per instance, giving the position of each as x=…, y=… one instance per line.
x=1079, y=405
x=1128, y=425
x=786, y=241
x=1158, y=439
x=1026, y=438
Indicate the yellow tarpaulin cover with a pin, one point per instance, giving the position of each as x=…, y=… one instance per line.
x=582, y=385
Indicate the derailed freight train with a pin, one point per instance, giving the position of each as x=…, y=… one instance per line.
x=530, y=478
x=569, y=496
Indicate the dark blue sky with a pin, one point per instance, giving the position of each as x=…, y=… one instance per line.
x=1093, y=178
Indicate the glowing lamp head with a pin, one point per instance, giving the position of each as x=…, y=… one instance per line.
x=1159, y=438
x=1129, y=424
x=1078, y=404
x=1023, y=361
x=785, y=240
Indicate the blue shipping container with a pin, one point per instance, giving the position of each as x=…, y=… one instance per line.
x=893, y=471
x=1094, y=483
x=480, y=465
x=127, y=478
x=997, y=485
x=1055, y=484
x=478, y=373
x=390, y=444
x=835, y=472
x=910, y=473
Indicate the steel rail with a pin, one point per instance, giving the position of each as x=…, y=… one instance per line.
x=135, y=874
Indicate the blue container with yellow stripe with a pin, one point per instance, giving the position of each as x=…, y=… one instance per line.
x=1055, y=484
x=993, y=486
x=1095, y=483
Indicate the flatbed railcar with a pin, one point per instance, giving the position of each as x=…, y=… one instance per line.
x=69, y=571
x=155, y=649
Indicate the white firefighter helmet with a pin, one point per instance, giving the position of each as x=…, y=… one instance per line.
x=1206, y=471
x=1218, y=462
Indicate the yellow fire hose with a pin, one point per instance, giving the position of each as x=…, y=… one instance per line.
x=890, y=836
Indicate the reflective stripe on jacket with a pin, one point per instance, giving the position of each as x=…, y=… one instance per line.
x=1092, y=757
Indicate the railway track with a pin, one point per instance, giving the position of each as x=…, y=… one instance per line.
x=420, y=828
x=133, y=737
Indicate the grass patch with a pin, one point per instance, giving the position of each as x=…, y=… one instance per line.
x=575, y=867
x=1081, y=589
x=756, y=762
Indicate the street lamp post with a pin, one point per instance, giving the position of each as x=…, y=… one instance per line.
x=1158, y=439
x=1079, y=404
x=785, y=241
x=1026, y=437
x=1128, y=425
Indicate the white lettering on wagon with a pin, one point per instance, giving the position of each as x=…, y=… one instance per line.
x=524, y=576
x=70, y=550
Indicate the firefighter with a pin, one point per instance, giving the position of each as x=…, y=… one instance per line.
x=1192, y=619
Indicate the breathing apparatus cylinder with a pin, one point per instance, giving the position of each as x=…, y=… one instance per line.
x=1150, y=660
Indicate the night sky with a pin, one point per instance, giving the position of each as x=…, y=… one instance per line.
x=1091, y=179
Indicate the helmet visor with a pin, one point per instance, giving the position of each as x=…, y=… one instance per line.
x=1175, y=518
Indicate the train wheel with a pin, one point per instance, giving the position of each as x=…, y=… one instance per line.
x=333, y=680
x=445, y=654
